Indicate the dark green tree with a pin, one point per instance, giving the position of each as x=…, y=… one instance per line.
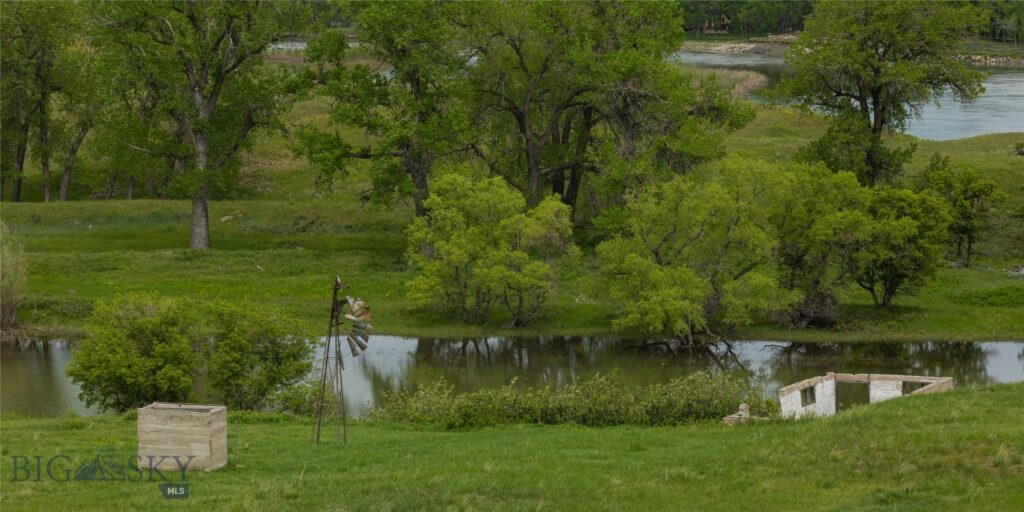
x=902, y=245
x=873, y=65
x=413, y=109
x=212, y=52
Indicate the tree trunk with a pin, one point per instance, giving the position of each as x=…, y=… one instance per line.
x=19, y=164
x=44, y=147
x=109, y=192
x=69, y=162
x=131, y=188
x=558, y=183
x=534, y=176
x=200, y=208
x=418, y=172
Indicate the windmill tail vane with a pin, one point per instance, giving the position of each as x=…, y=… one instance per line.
x=350, y=316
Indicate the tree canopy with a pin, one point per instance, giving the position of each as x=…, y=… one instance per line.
x=873, y=65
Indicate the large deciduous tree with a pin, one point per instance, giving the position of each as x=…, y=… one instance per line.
x=564, y=90
x=409, y=99
x=212, y=52
x=873, y=65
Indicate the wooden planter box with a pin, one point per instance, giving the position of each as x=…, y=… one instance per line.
x=166, y=430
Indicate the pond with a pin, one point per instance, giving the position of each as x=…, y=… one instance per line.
x=999, y=109
x=33, y=381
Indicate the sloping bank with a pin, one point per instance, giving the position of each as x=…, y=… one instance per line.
x=960, y=450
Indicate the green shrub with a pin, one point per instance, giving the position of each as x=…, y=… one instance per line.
x=298, y=399
x=253, y=354
x=139, y=348
x=596, y=402
x=142, y=348
x=13, y=268
x=700, y=396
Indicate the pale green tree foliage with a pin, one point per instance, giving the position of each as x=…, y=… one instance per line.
x=413, y=109
x=970, y=197
x=697, y=254
x=485, y=248
x=875, y=64
x=902, y=245
x=819, y=222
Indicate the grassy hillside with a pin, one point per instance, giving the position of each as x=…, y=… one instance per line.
x=963, y=449
x=280, y=240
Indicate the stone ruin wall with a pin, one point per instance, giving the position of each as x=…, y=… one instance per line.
x=880, y=388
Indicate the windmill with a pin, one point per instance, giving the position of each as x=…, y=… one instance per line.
x=351, y=316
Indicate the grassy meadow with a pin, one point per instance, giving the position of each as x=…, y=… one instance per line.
x=963, y=452
x=279, y=239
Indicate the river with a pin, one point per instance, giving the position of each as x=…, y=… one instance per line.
x=999, y=109
x=32, y=380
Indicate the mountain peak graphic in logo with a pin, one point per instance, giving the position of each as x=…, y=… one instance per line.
x=99, y=469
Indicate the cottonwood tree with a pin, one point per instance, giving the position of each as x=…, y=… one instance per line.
x=408, y=100
x=18, y=90
x=212, y=51
x=873, y=65
x=569, y=90
x=534, y=77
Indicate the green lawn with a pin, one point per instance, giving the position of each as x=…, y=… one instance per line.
x=960, y=450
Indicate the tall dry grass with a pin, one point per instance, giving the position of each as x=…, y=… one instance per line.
x=13, y=268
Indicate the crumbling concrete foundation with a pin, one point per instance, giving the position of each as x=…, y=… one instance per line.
x=816, y=396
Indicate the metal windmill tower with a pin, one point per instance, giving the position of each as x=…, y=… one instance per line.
x=355, y=325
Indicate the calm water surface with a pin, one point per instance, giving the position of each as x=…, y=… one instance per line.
x=33, y=381
x=999, y=109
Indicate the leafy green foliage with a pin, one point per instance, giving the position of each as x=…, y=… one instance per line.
x=481, y=246
x=253, y=354
x=970, y=197
x=873, y=65
x=203, y=62
x=413, y=109
x=50, y=98
x=599, y=401
x=140, y=348
x=564, y=89
x=697, y=253
x=819, y=225
x=903, y=243
x=844, y=145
